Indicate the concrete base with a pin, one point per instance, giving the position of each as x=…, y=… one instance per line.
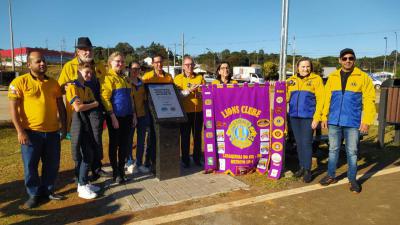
x=167, y=151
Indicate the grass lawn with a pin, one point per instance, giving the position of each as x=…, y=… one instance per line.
x=13, y=194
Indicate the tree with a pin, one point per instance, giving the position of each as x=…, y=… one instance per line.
x=125, y=48
x=156, y=49
x=317, y=67
x=99, y=53
x=270, y=70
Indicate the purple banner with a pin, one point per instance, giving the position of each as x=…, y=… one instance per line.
x=277, y=131
x=237, y=128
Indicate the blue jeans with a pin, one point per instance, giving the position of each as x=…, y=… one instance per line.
x=303, y=134
x=142, y=124
x=44, y=146
x=351, y=137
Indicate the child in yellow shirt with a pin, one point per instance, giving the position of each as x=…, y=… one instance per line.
x=82, y=100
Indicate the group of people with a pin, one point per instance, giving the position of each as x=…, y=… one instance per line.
x=94, y=93
x=345, y=105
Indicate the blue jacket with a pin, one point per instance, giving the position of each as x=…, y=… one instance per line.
x=305, y=96
x=353, y=107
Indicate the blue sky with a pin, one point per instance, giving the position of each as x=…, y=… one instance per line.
x=321, y=27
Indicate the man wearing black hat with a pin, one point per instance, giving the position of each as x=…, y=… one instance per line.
x=349, y=109
x=69, y=73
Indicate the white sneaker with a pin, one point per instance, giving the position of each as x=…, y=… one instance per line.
x=85, y=192
x=132, y=169
x=94, y=188
x=144, y=169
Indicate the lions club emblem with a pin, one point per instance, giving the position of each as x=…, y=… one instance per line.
x=241, y=133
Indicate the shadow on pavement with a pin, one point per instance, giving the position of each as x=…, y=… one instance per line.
x=13, y=195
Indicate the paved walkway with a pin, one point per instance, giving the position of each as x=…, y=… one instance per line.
x=145, y=191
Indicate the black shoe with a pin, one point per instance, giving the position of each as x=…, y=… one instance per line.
x=95, y=176
x=198, y=163
x=307, y=178
x=55, y=197
x=186, y=165
x=32, y=202
x=355, y=187
x=120, y=180
x=103, y=173
x=327, y=180
x=299, y=173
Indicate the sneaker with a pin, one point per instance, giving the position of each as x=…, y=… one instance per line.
x=299, y=173
x=32, y=202
x=307, y=176
x=327, y=180
x=85, y=192
x=132, y=169
x=143, y=169
x=355, y=187
x=56, y=197
x=94, y=188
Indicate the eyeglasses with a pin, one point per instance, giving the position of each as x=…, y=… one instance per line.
x=351, y=58
x=158, y=62
x=189, y=65
x=135, y=68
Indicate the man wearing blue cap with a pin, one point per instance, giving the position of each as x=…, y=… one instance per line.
x=349, y=110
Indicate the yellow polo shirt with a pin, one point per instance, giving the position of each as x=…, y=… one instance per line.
x=139, y=96
x=151, y=77
x=192, y=102
x=38, y=98
x=70, y=72
x=78, y=91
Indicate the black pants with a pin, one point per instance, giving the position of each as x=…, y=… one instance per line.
x=119, y=143
x=83, y=145
x=194, y=125
x=96, y=121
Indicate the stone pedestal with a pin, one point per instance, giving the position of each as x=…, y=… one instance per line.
x=167, y=151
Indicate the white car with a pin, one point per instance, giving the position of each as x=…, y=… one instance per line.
x=377, y=83
x=209, y=78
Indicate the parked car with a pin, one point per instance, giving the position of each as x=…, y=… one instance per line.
x=377, y=83
x=209, y=78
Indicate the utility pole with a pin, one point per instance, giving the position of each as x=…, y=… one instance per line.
x=395, y=61
x=20, y=54
x=11, y=36
x=384, y=61
x=62, y=46
x=294, y=54
x=174, y=55
x=214, y=69
x=183, y=47
x=284, y=33
x=168, y=60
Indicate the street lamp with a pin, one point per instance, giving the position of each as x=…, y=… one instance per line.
x=384, y=61
x=11, y=36
x=284, y=41
x=395, y=61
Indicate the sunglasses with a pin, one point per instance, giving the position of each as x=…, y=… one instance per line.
x=351, y=58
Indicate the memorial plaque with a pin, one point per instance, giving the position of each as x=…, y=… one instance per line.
x=167, y=113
